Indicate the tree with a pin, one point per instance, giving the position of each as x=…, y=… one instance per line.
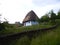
x=45, y=18
x=52, y=16
x=1, y=24
x=6, y=24
x=0, y=18
x=58, y=15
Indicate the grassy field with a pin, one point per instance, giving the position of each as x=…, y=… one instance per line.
x=23, y=28
x=48, y=38
x=51, y=37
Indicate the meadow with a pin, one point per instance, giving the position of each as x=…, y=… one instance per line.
x=51, y=37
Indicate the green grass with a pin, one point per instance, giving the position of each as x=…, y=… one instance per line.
x=21, y=29
x=45, y=38
x=51, y=37
x=48, y=38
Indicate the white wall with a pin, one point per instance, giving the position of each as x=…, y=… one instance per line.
x=34, y=22
x=30, y=23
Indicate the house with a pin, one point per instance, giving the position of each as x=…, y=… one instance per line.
x=30, y=19
x=18, y=24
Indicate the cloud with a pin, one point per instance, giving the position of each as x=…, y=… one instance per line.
x=45, y=2
x=16, y=10
x=44, y=6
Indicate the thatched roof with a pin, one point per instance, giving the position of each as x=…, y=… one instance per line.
x=31, y=16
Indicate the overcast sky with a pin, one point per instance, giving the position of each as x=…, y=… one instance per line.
x=16, y=10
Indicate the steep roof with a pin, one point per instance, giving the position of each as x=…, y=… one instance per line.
x=31, y=16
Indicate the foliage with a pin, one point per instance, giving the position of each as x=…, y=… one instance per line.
x=58, y=21
x=12, y=30
x=2, y=26
x=45, y=18
x=52, y=17
x=58, y=15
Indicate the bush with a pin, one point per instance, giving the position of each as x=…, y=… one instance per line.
x=2, y=26
x=58, y=21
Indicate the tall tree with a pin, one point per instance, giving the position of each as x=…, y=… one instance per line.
x=52, y=16
x=58, y=14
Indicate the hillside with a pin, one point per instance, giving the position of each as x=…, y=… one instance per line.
x=32, y=31
x=13, y=30
x=51, y=37
x=47, y=38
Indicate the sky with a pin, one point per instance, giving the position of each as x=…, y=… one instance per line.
x=16, y=10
